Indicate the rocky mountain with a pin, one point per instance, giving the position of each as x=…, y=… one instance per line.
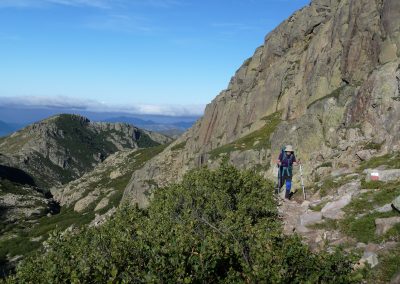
x=101, y=190
x=85, y=164
x=62, y=148
x=325, y=80
x=28, y=214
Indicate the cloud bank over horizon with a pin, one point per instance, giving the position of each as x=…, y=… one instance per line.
x=63, y=102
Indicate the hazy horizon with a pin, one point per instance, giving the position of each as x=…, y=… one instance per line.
x=167, y=57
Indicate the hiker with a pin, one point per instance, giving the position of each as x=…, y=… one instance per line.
x=285, y=162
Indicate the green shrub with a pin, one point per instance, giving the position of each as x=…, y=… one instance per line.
x=363, y=227
x=145, y=141
x=214, y=226
x=325, y=165
x=392, y=161
x=373, y=146
x=327, y=186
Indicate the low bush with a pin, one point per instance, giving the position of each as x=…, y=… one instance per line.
x=214, y=226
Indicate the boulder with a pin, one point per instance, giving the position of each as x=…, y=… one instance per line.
x=361, y=245
x=382, y=175
x=385, y=224
x=301, y=229
x=371, y=258
x=334, y=214
x=332, y=210
x=385, y=208
x=84, y=203
x=364, y=155
x=309, y=218
x=396, y=203
x=340, y=172
x=371, y=247
x=102, y=204
x=351, y=188
x=115, y=174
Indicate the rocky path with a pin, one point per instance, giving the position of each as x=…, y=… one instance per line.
x=299, y=218
x=314, y=220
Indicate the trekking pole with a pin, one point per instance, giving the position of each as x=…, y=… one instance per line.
x=277, y=188
x=302, y=182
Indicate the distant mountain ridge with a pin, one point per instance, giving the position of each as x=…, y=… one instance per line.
x=150, y=123
x=15, y=118
x=63, y=147
x=173, y=129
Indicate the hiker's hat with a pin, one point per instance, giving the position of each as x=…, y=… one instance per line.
x=289, y=148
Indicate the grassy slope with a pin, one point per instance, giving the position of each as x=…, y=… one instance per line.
x=256, y=140
x=359, y=222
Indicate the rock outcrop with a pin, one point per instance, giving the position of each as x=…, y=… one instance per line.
x=385, y=224
x=101, y=189
x=21, y=203
x=330, y=74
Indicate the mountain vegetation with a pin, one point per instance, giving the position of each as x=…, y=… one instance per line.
x=214, y=226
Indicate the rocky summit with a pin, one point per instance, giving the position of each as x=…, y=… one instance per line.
x=326, y=80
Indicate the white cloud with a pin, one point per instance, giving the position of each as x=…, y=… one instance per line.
x=62, y=102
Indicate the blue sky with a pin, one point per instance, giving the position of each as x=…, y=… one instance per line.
x=130, y=52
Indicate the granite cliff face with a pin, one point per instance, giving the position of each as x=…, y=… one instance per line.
x=62, y=148
x=326, y=80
